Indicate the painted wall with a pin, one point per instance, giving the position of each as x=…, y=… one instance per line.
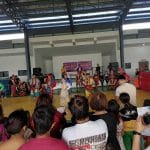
x=134, y=55
x=105, y=62
x=59, y=60
x=13, y=60
x=48, y=66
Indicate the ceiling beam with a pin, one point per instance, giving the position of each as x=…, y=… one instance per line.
x=69, y=10
x=11, y=11
x=78, y=28
x=128, y=4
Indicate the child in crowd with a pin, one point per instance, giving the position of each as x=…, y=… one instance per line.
x=129, y=115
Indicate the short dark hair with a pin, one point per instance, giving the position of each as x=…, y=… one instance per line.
x=113, y=106
x=98, y=101
x=43, y=119
x=16, y=121
x=44, y=99
x=124, y=98
x=79, y=107
x=121, y=77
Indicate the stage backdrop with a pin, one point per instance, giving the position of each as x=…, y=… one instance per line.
x=72, y=66
x=59, y=60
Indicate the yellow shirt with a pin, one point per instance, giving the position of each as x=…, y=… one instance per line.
x=129, y=125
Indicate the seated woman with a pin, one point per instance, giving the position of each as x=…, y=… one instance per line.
x=59, y=119
x=16, y=126
x=98, y=102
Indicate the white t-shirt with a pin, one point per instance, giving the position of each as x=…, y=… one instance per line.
x=91, y=135
x=127, y=88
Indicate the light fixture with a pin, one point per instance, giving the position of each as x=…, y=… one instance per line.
x=7, y=26
x=46, y=23
x=139, y=9
x=4, y=37
x=48, y=18
x=139, y=14
x=95, y=13
x=5, y=21
x=97, y=18
x=135, y=26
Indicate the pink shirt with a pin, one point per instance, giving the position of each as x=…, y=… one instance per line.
x=47, y=143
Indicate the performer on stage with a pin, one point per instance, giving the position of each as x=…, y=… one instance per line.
x=63, y=71
x=112, y=80
x=96, y=79
x=79, y=69
x=88, y=84
x=35, y=86
x=49, y=87
x=106, y=77
x=79, y=76
x=98, y=70
x=64, y=94
x=13, y=85
x=2, y=91
x=101, y=78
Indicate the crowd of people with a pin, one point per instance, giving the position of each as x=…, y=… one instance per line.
x=96, y=123
x=37, y=85
x=112, y=125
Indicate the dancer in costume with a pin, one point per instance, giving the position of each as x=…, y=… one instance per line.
x=2, y=91
x=49, y=87
x=64, y=94
x=88, y=84
x=106, y=77
x=96, y=79
x=63, y=71
x=35, y=86
x=112, y=80
x=13, y=85
x=79, y=76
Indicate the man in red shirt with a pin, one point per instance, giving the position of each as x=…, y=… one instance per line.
x=43, y=119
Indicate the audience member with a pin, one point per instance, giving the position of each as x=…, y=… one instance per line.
x=43, y=120
x=16, y=126
x=3, y=133
x=2, y=91
x=113, y=107
x=98, y=102
x=137, y=134
x=59, y=119
x=127, y=88
x=129, y=115
x=95, y=132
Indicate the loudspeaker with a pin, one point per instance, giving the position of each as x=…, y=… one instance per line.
x=114, y=66
x=37, y=71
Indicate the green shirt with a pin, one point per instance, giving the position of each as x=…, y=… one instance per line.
x=1, y=87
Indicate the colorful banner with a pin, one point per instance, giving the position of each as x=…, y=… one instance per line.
x=86, y=65
x=72, y=66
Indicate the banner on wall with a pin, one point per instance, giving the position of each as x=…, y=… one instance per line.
x=86, y=65
x=72, y=66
